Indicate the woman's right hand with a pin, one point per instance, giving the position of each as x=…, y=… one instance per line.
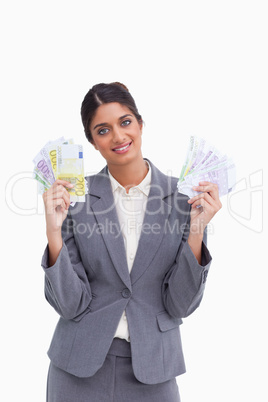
x=57, y=202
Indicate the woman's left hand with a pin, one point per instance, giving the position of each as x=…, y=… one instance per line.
x=204, y=206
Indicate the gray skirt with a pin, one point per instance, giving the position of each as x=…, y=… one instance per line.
x=113, y=382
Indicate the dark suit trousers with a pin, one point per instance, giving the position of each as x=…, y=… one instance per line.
x=113, y=382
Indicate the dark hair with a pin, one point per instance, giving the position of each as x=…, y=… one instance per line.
x=105, y=93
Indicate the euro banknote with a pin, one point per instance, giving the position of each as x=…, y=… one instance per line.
x=70, y=167
x=205, y=163
x=61, y=159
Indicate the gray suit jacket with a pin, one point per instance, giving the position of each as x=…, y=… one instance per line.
x=90, y=286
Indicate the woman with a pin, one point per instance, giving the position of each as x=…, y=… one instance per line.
x=124, y=267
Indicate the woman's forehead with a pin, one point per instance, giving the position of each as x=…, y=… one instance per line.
x=113, y=110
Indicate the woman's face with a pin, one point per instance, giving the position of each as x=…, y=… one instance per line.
x=116, y=133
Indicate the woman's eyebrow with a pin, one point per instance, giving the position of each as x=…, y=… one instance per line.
x=105, y=124
x=125, y=115
x=101, y=124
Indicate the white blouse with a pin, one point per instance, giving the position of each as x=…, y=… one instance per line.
x=130, y=209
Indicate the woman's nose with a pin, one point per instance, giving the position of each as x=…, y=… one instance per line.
x=118, y=135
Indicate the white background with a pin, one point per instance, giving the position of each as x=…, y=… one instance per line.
x=193, y=67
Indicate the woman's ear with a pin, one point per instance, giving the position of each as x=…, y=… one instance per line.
x=141, y=125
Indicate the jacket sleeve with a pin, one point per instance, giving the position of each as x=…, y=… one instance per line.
x=67, y=288
x=184, y=283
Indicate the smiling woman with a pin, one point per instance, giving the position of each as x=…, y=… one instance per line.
x=103, y=94
x=113, y=125
x=121, y=291
x=119, y=142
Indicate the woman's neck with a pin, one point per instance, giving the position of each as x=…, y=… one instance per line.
x=131, y=174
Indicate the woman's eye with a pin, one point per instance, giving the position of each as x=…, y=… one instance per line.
x=103, y=131
x=126, y=122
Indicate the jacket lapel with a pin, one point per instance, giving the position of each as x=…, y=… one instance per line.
x=106, y=216
x=156, y=215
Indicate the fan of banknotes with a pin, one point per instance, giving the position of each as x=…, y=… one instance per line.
x=205, y=163
x=61, y=159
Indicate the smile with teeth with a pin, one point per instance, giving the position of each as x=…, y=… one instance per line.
x=123, y=148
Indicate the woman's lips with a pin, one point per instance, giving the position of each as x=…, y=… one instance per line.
x=122, y=148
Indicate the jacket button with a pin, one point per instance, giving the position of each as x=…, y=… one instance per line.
x=205, y=275
x=126, y=293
